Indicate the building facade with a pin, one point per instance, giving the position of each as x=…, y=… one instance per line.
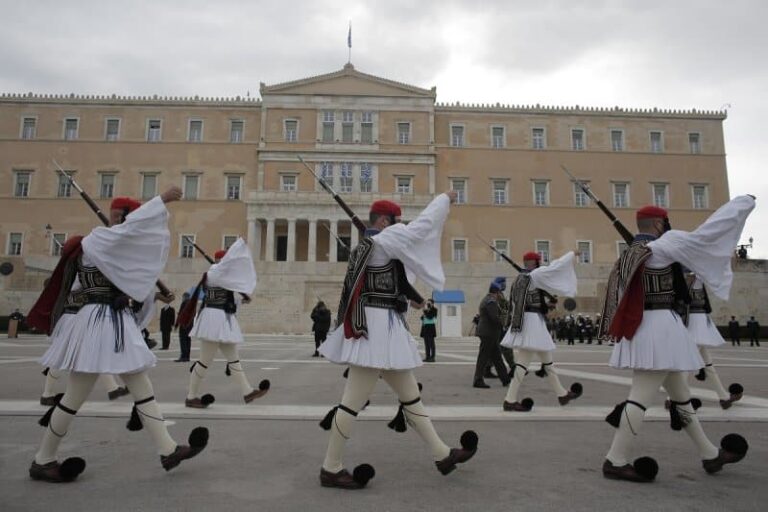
x=237, y=161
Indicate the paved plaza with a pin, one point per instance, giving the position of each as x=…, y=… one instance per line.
x=266, y=456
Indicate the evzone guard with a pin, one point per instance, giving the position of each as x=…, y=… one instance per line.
x=645, y=291
x=114, y=266
x=373, y=339
x=216, y=325
x=528, y=335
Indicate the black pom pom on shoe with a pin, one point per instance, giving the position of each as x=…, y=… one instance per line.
x=198, y=438
x=734, y=443
x=736, y=389
x=646, y=467
x=264, y=385
x=71, y=468
x=363, y=474
x=527, y=403
x=469, y=440
x=577, y=388
x=207, y=399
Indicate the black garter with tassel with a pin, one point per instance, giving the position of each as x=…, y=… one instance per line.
x=398, y=423
x=46, y=419
x=327, y=422
x=134, y=423
x=542, y=372
x=614, y=418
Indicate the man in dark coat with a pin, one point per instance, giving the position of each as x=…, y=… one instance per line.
x=321, y=323
x=185, y=342
x=489, y=331
x=733, y=331
x=167, y=320
x=754, y=331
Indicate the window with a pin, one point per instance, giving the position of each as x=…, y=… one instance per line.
x=403, y=133
x=621, y=247
x=229, y=240
x=195, y=130
x=541, y=193
x=500, y=192
x=503, y=247
x=451, y=311
x=621, y=195
x=57, y=242
x=107, y=189
x=65, y=186
x=23, y=178
x=342, y=250
x=347, y=126
x=584, y=253
x=345, y=177
x=577, y=139
x=154, y=127
x=459, y=251
x=112, y=129
x=191, y=185
x=404, y=184
x=366, y=177
x=457, y=136
x=657, y=145
x=700, y=196
x=70, y=128
x=328, y=124
x=694, y=142
x=538, y=138
x=148, y=186
x=580, y=198
x=617, y=140
x=661, y=194
x=460, y=186
x=233, y=188
x=187, y=249
x=291, y=130
x=29, y=128
x=326, y=172
x=542, y=247
x=366, y=128
x=288, y=182
x=236, y=130
x=497, y=137
x=14, y=244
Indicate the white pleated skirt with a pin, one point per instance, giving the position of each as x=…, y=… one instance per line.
x=389, y=345
x=85, y=342
x=703, y=331
x=534, y=335
x=214, y=324
x=662, y=342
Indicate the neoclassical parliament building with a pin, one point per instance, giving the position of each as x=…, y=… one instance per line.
x=236, y=160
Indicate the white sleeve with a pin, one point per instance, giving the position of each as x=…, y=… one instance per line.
x=557, y=278
x=707, y=251
x=235, y=271
x=417, y=244
x=132, y=254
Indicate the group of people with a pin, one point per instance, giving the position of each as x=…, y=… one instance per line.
x=102, y=294
x=567, y=328
x=753, y=329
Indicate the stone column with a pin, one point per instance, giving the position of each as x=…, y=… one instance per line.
x=270, y=254
x=312, y=241
x=254, y=238
x=354, y=236
x=333, y=249
x=291, y=252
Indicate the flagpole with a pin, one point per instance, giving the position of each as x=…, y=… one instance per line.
x=349, y=43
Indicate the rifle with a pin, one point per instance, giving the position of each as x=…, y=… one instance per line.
x=503, y=256
x=211, y=261
x=103, y=218
x=342, y=242
x=355, y=219
x=623, y=231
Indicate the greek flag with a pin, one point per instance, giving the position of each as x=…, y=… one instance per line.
x=349, y=36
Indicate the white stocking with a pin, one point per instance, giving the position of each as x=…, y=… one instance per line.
x=645, y=385
x=554, y=380
x=676, y=385
x=235, y=368
x=713, y=379
x=149, y=412
x=109, y=382
x=522, y=361
x=360, y=384
x=404, y=383
x=200, y=368
x=79, y=386
x=50, y=382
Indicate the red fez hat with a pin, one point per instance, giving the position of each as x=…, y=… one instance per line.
x=120, y=203
x=652, y=212
x=534, y=256
x=219, y=254
x=384, y=207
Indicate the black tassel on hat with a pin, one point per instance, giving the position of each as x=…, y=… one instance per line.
x=46, y=419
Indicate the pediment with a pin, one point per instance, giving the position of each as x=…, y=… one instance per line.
x=347, y=82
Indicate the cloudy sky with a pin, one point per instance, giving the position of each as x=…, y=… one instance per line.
x=652, y=53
